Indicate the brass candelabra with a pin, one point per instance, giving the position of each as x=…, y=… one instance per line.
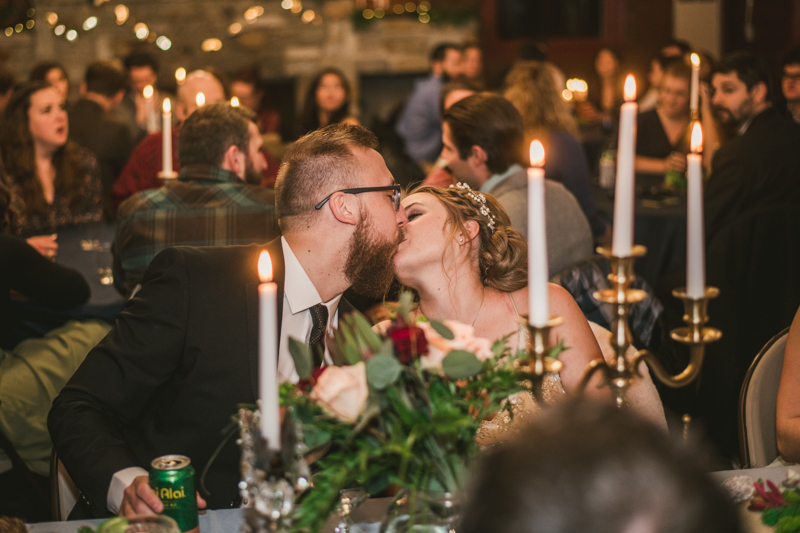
x=620, y=372
x=539, y=361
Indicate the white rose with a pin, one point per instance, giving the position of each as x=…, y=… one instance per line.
x=343, y=390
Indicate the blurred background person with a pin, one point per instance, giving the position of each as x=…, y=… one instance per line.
x=790, y=83
x=53, y=182
x=419, y=125
x=531, y=88
x=54, y=74
x=327, y=101
x=136, y=110
x=649, y=99
x=91, y=124
x=662, y=134
x=472, y=62
x=591, y=467
x=247, y=87
x=7, y=82
x=605, y=91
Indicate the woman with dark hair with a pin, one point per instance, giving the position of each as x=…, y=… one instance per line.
x=327, y=101
x=605, y=91
x=54, y=74
x=52, y=182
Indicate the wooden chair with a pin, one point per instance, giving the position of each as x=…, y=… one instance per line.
x=63, y=492
x=758, y=444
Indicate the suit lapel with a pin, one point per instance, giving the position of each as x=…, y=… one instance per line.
x=279, y=275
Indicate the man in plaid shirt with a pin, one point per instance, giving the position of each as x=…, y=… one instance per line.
x=215, y=201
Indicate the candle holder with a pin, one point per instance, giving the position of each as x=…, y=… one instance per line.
x=620, y=372
x=271, y=478
x=539, y=362
x=167, y=175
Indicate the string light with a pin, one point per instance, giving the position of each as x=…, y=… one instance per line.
x=72, y=35
x=122, y=13
x=235, y=28
x=51, y=18
x=164, y=43
x=29, y=24
x=9, y=31
x=60, y=29
x=89, y=23
x=308, y=16
x=141, y=30
x=211, y=45
x=287, y=4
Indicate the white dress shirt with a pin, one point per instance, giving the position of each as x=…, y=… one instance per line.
x=299, y=295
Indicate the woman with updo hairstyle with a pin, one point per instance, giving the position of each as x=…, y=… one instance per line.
x=52, y=182
x=464, y=262
x=327, y=101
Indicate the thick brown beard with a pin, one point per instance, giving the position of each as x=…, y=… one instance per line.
x=369, y=263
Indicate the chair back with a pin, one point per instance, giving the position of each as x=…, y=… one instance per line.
x=63, y=492
x=758, y=443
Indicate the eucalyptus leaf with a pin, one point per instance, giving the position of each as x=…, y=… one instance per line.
x=406, y=299
x=441, y=329
x=372, y=339
x=387, y=348
x=460, y=364
x=382, y=371
x=303, y=360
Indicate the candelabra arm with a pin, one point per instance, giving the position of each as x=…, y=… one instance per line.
x=597, y=365
x=697, y=351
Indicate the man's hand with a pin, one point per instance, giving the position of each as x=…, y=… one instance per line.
x=675, y=161
x=140, y=499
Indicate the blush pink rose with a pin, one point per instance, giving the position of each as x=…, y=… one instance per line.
x=463, y=339
x=343, y=391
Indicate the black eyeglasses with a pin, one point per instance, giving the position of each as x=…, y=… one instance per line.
x=395, y=196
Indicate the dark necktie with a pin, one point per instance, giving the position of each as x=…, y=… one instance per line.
x=319, y=320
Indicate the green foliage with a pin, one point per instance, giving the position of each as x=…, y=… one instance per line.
x=442, y=330
x=788, y=524
x=417, y=431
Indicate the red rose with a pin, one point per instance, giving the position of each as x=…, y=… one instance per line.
x=409, y=343
x=305, y=384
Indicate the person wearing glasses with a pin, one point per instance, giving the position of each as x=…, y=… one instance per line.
x=790, y=83
x=184, y=354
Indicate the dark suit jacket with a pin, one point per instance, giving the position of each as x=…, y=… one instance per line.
x=758, y=169
x=108, y=139
x=168, y=377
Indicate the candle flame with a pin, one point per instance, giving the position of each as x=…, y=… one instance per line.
x=200, y=99
x=180, y=74
x=695, y=60
x=630, y=88
x=537, y=153
x=697, y=138
x=264, y=267
x=167, y=105
x=234, y=102
x=147, y=92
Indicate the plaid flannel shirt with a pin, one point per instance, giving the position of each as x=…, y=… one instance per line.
x=205, y=206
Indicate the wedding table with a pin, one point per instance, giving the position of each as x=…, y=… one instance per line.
x=367, y=518
x=751, y=520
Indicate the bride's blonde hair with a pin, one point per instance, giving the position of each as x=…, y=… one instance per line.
x=503, y=253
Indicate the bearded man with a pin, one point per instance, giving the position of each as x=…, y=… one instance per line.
x=184, y=353
x=759, y=167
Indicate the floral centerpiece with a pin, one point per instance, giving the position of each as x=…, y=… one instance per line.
x=399, y=408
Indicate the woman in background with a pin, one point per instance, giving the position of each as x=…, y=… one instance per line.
x=54, y=74
x=327, y=101
x=52, y=183
x=531, y=87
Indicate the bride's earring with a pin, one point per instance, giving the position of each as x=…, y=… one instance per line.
x=460, y=241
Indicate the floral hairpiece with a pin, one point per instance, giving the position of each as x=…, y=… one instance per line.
x=480, y=200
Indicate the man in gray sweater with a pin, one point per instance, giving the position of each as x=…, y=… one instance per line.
x=483, y=145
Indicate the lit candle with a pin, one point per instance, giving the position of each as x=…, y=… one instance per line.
x=538, y=311
x=268, y=353
x=695, y=241
x=166, y=140
x=695, y=94
x=626, y=152
x=234, y=102
x=200, y=99
x=151, y=118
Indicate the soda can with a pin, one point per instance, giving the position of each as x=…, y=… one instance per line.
x=172, y=479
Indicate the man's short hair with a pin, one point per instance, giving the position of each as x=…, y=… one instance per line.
x=491, y=122
x=315, y=166
x=749, y=69
x=142, y=59
x=210, y=131
x=440, y=51
x=677, y=68
x=104, y=77
x=792, y=57
x=591, y=467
